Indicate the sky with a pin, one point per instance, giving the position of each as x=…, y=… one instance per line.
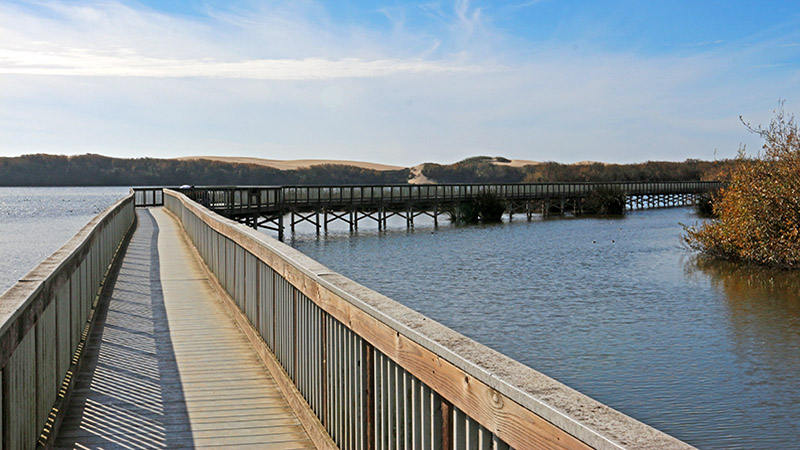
x=395, y=82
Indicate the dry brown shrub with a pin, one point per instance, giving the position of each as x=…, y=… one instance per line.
x=759, y=211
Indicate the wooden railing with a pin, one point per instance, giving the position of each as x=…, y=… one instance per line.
x=364, y=372
x=233, y=201
x=45, y=318
x=394, y=194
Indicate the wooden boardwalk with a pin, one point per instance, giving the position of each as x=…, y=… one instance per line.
x=167, y=367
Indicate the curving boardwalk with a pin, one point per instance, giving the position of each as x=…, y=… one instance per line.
x=167, y=367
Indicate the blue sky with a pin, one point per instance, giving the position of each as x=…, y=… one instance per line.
x=394, y=82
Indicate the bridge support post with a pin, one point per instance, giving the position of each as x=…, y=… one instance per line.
x=436, y=216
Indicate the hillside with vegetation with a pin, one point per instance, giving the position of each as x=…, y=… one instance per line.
x=484, y=169
x=97, y=170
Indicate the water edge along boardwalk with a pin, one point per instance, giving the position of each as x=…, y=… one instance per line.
x=358, y=370
x=267, y=206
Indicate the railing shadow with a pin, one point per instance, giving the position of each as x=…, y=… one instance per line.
x=129, y=393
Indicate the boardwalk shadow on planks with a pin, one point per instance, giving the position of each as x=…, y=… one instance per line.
x=129, y=393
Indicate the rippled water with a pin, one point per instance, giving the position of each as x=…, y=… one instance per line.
x=616, y=308
x=35, y=222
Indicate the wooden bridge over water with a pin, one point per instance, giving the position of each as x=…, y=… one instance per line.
x=174, y=327
x=268, y=206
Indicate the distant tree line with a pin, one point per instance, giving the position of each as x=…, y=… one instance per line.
x=97, y=170
x=485, y=170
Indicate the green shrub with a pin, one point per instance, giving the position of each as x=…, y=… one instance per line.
x=484, y=208
x=464, y=212
x=604, y=201
x=490, y=207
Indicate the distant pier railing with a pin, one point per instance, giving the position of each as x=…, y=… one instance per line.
x=44, y=319
x=266, y=206
x=152, y=196
x=364, y=372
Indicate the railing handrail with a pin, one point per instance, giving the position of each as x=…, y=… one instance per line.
x=42, y=320
x=16, y=301
x=362, y=185
x=509, y=380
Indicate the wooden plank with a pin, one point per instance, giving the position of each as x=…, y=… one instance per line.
x=301, y=409
x=47, y=379
x=20, y=387
x=63, y=317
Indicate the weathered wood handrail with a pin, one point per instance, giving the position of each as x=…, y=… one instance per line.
x=43, y=319
x=377, y=375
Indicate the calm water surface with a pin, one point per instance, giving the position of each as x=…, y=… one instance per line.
x=617, y=309
x=35, y=222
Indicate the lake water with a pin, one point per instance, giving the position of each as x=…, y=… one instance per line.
x=615, y=308
x=35, y=222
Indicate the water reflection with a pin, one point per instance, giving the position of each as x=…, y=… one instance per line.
x=763, y=310
x=745, y=284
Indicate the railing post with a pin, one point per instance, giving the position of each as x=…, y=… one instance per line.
x=369, y=413
x=447, y=425
x=325, y=419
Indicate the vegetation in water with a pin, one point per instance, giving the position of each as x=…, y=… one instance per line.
x=484, y=208
x=604, y=201
x=704, y=203
x=759, y=211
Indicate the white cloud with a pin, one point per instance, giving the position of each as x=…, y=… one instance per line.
x=127, y=63
x=288, y=83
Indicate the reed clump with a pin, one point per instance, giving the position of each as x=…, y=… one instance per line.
x=759, y=211
x=604, y=201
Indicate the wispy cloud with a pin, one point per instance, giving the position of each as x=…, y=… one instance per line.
x=127, y=63
x=705, y=43
x=286, y=80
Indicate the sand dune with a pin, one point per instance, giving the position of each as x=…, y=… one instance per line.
x=293, y=163
x=416, y=171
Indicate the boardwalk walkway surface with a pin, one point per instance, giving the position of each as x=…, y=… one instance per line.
x=167, y=367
